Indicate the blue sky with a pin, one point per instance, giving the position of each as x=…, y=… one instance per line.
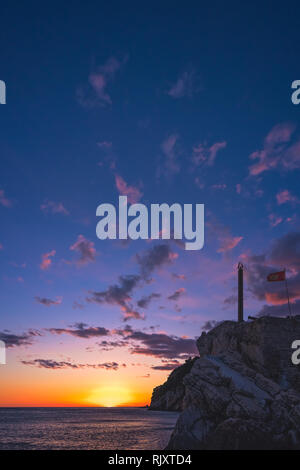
x=165, y=103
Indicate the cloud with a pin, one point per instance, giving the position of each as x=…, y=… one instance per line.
x=51, y=364
x=283, y=253
x=46, y=261
x=119, y=294
x=3, y=199
x=170, y=152
x=145, y=301
x=210, y=324
x=158, y=344
x=182, y=277
x=229, y=301
x=81, y=330
x=109, y=345
x=277, y=151
x=12, y=340
x=86, y=250
x=132, y=192
x=221, y=234
x=155, y=257
x=165, y=367
x=279, y=310
x=48, y=302
x=105, y=144
x=97, y=91
x=177, y=294
x=274, y=220
x=162, y=345
x=54, y=207
x=203, y=154
x=228, y=243
x=285, y=196
x=186, y=85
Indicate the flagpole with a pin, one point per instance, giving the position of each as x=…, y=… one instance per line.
x=240, y=293
x=287, y=292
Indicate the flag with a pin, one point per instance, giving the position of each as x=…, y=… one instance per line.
x=280, y=276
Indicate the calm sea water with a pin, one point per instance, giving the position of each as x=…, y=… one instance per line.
x=85, y=428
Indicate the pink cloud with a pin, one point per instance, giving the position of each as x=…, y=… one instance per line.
x=132, y=192
x=86, y=249
x=54, y=207
x=276, y=151
x=204, y=154
x=3, y=200
x=99, y=81
x=285, y=196
x=46, y=261
x=228, y=243
x=274, y=220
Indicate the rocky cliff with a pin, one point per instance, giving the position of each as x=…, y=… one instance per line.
x=243, y=392
x=170, y=395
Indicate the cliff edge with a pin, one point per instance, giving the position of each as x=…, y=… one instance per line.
x=243, y=392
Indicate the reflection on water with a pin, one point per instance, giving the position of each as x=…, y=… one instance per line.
x=85, y=428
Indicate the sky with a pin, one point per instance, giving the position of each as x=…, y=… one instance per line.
x=163, y=103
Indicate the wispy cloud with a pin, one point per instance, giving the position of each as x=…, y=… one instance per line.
x=145, y=301
x=155, y=257
x=286, y=196
x=186, y=85
x=170, y=164
x=119, y=294
x=133, y=193
x=46, y=260
x=14, y=340
x=48, y=302
x=4, y=201
x=228, y=243
x=284, y=252
x=81, y=330
x=54, y=207
x=277, y=151
x=99, y=80
x=51, y=364
x=274, y=219
x=177, y=294
x=86, y=250
x=204, y=154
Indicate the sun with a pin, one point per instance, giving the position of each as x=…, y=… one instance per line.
x=110, y=396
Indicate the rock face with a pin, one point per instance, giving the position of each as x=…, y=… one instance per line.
x=243, y=392
x=170, y=395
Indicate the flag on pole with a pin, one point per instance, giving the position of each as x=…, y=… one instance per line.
x=279, y=276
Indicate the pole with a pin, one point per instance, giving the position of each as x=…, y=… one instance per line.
x=240, y=292
x=287, y=293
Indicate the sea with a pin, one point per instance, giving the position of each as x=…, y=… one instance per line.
x=85, y=428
